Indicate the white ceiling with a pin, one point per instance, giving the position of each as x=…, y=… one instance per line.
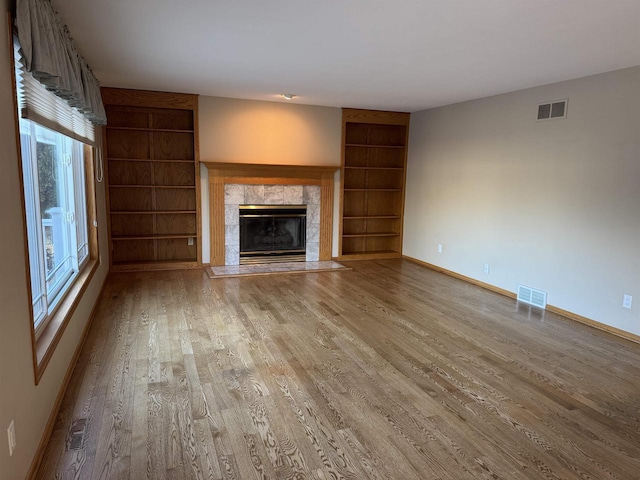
x=391, y=55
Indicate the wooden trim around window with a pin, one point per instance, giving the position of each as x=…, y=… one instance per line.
x=44, y=346
x=16, y=122
x=48, y=340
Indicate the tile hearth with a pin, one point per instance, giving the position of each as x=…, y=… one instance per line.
x=274, y=268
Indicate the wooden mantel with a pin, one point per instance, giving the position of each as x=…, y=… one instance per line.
x=221, y=174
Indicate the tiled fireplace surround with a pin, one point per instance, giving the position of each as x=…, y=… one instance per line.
x=238, y=194
x=234, y=184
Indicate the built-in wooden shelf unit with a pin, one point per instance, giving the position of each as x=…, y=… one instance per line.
x=152, y=172
x=374, y=156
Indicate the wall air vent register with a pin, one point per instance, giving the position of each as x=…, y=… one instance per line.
x=532, y=296
x=552, y=110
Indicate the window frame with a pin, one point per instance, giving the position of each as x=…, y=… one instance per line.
x=45, y=341
x=73, y=200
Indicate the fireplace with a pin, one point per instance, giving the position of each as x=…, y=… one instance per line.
x=272, y=233
x=235, y=184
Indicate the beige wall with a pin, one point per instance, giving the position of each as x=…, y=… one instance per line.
x=249, y=131
x=20, y=400
x=553, y=205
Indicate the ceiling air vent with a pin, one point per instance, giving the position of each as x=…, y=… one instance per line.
x=534, y=297
x=552, y=110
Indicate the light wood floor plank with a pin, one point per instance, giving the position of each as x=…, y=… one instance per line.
x=389, y=371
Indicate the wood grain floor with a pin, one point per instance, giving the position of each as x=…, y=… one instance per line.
x=389, y=371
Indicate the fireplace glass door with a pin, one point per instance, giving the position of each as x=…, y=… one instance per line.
x=272, y=233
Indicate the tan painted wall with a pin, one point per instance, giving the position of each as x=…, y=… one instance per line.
x=20, y=400
x=554, y=205
x=249, y=131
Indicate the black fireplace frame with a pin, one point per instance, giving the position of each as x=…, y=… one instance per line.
x=273, y=212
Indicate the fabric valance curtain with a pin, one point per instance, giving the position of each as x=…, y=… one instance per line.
x=48, y=52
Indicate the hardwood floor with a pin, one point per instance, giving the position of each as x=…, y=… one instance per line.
x=389, y=371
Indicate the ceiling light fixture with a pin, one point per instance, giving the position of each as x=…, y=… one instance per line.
x=288, y=96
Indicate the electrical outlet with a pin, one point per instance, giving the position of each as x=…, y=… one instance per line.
x=487, y=267
x=190, y=241
x=626, y=301
x=11, y=434
x=439, y=248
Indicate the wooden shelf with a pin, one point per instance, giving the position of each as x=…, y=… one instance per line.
x=148, y=160
x=373, y=189
x=372, y=217
x=153, y=186
x=152, y=237
x=150, y=212
x=142, y=129
x=154, y=265
x=153, y=178
x=373, y=183
x=370, y=255
x=372, y=146
x=356, y=235
x=374, y=168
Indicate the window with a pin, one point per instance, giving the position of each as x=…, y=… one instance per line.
x=55, y=174
x=58, y=102
x=53, y=168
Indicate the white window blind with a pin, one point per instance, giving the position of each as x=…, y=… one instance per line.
x=36, y=103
